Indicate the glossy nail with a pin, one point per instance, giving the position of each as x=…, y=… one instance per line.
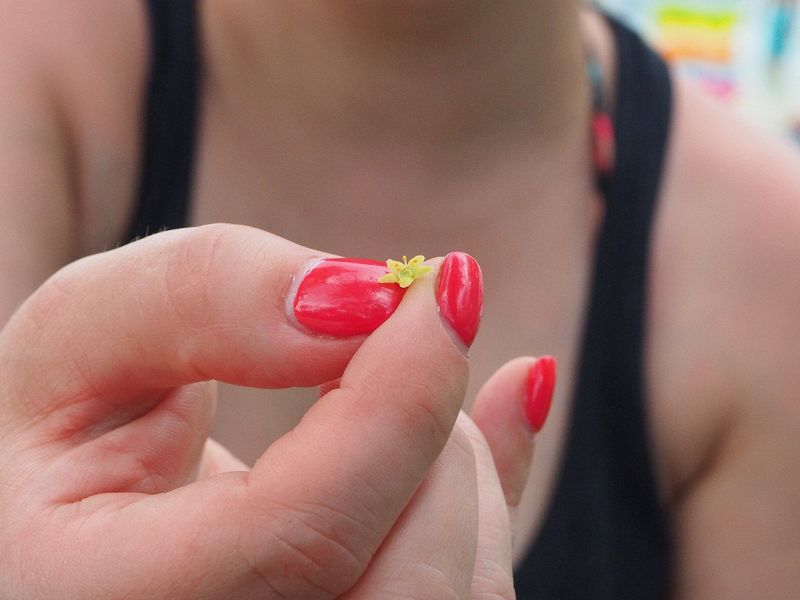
x=460, y=295
x=539, y=389
x=341, y=297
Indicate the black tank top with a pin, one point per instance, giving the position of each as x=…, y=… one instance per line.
x=605, y=533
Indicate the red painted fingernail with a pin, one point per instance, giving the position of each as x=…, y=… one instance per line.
x=539, y=392
x=460, y=295
x=341, y=297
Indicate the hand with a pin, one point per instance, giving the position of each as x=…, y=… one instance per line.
x=104, y=411
x=455, y=538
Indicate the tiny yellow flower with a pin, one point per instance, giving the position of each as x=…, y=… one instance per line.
x=404, y=273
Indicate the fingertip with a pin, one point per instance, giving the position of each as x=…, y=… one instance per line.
x=500, y=413
x=459, y=295
x=540, y=386
x=499, y=405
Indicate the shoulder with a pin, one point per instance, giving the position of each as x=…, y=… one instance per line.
x=724, y=341
x=84, y=55
x=80, y=69
x=67, y=132
x=726, y=254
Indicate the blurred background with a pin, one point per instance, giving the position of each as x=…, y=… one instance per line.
x=744, y=52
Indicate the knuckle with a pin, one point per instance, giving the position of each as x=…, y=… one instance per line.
x=47, y=305
x=206, y=291
x=423, y=581
x=492, y=582
x=43, y=322
x=194, y=269
x=421, y=414
x=309, y=553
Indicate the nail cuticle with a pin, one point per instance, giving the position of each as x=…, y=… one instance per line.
x=454, y=337
x=290, y=292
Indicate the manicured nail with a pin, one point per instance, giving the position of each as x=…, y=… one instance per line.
x=539, y=392
x=460, y=295
x=341, y=297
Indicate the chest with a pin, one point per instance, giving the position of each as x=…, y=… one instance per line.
x=536, y=286
x=536, y=276
x=536, y=261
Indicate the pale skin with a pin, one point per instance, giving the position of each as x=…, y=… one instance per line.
x=404, y=109
x=111, y=490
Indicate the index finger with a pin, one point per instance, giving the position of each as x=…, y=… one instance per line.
x=176, y=308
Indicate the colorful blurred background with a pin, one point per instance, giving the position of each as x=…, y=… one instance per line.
x=744, y=52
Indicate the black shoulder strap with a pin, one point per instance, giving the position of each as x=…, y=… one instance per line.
x=605, y=533
x=170, y=119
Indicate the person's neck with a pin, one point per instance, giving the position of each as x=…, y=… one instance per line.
x=429, y=76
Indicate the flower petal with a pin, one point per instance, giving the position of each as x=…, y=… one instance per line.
x=394, y=266
x=420, y=271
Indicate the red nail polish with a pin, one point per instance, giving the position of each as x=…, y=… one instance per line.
x=539, y=392
x=341, y=297
x=460, y=295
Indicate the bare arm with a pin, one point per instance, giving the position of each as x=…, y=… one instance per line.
x=739, y=522
x=726, y=337
x=71, y=82
x=37, y=216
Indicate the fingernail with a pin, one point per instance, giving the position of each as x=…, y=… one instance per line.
x=341, y=297
x=460, y=295
x=539, y=392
